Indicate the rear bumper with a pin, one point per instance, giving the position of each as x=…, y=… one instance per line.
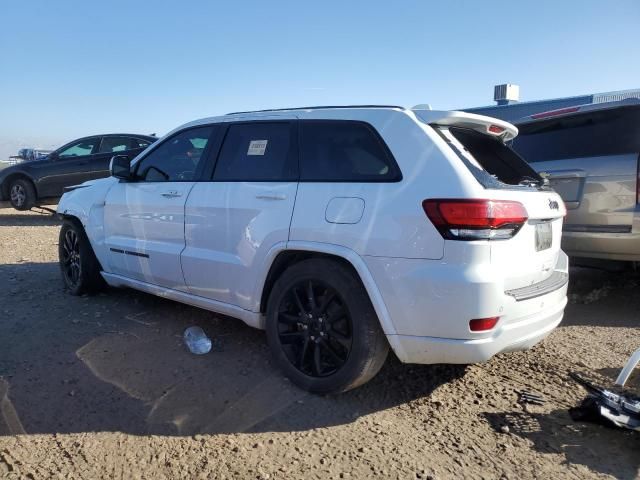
x=517, y=335
x=607, y=246
x=430, y=304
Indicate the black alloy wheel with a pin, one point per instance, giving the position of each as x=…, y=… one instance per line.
x=78, y=264
x=322, y=329
x=70, y=258
x=314, y=328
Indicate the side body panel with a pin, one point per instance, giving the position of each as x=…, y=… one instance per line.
x=391, y=222
x=87, y=205
x=144, y=231
x=230, y=228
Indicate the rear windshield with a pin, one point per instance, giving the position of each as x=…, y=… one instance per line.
x=492, y=162
x=591, y=134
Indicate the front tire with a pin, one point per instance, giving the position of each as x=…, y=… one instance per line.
x=22, y=194
x=322, y=329
x=78, y=264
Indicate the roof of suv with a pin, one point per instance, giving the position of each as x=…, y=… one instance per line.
x=426, y=115
x=323, y=107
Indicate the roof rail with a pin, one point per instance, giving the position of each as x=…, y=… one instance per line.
x=316, y=108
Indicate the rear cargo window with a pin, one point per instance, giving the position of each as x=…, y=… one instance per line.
x=611, y=132
x=491, y=161
x=344, y=151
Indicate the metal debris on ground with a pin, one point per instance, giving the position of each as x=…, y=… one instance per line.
x=197, y=341
x=528, y=397
x=606, y=407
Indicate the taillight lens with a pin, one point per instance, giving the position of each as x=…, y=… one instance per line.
x=483, y=324
x=475, y=219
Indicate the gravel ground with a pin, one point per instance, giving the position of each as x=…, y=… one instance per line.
x=102, y=387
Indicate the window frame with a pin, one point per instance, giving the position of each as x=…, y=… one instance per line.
x=293, y=160
x=395, y=175
x=202, y=166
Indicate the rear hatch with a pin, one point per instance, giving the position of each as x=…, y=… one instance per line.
x=590, y=156
x=530, y=253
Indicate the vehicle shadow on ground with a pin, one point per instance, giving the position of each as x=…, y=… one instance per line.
x=610, y=451
x=27, y=219
x=116, y=362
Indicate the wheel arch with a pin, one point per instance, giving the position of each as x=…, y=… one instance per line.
x=295, y=252
x=6, y=183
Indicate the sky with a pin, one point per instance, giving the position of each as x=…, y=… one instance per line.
x=72, y=68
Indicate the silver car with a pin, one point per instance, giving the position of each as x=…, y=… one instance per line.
x=590, y=155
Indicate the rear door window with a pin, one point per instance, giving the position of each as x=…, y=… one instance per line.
x=590, y=134
x=139, y=143
x=116, y=144
x=257, y=152
x=344, y=151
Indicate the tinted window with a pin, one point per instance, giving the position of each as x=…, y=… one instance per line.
x=595, y=134
x=177, y=158
x=344, y=151
x=258, y=152
x=84, y=147
x=140, y=143
x=116, y=144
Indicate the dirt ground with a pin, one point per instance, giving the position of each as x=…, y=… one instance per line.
x=102, y=387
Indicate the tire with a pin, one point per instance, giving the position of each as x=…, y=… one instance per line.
x=332, y=343
x=22, y=194
x=78, y=264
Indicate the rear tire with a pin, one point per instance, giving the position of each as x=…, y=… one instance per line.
x=22, y=194
x=78, y=264
x=322, y=329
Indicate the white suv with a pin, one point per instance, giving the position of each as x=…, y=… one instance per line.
x=340, y=230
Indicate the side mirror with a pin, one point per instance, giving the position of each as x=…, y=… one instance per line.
x=120, y=167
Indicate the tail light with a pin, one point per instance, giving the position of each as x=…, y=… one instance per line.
x=475, y=219
x=482, y=324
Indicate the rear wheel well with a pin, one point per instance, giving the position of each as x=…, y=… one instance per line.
x=14, y=176
x=288, y=258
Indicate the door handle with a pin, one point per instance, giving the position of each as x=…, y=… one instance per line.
x=171, y=194
x=271, y=196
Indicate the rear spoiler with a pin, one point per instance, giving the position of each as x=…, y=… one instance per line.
x=479, y=123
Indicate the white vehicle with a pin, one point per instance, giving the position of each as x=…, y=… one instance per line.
x=341, y=231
